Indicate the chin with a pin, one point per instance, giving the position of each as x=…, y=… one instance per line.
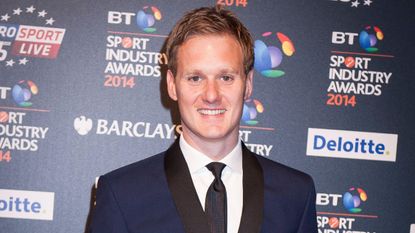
x=215, y=133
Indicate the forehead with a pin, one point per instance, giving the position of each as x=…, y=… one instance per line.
x=210, y=51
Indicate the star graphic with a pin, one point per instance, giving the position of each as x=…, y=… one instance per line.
x=50, y=21
x=42, y=13
x=30, y=9
x=10, y=62
x=17, y=11
x=355, y=3
x=5, y=17
x=23, y=61
x=367, y=2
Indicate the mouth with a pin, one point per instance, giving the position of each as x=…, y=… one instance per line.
x=211, y=112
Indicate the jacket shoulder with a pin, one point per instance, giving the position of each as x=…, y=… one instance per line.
x=277, y=173
x=151, y=167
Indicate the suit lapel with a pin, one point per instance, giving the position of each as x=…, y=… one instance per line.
x=253, y=193
x=187, y=202
x=184, y=194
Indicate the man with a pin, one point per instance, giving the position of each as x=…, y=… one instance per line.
x=207, y=181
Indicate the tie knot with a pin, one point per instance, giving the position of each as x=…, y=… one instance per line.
x=216, y=168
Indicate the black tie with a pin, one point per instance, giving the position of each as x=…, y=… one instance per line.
x=215, y=207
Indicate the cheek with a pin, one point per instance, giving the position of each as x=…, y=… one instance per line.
x=235, y=96
x=186, y=97
x=235, y=102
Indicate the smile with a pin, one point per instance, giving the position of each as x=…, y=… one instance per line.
x=211, y=112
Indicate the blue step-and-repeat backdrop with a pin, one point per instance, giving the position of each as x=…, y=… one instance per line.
x=82, y=92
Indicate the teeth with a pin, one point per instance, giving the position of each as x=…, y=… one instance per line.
x=211, y=112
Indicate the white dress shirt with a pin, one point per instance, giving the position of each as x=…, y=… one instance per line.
x=231, y=177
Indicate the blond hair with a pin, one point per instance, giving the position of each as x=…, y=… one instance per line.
x=209, y=21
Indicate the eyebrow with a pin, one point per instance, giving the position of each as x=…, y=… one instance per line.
x=229, y=71
x=222, y=71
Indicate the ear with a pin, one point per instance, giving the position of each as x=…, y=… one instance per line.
x=249, y=84
x=171, y=85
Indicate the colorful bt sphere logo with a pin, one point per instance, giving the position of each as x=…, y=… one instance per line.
x=146, y=18
x=368, y=41
x=23, y=91
x=250, y=111
x=267, y=58
x=353, y=199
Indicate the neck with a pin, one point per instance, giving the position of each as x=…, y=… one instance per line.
x=214, y=149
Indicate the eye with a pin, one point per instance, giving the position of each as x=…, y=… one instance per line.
x=227, y=78
x=194, y=78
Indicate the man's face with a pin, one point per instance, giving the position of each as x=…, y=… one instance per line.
x=210, y=87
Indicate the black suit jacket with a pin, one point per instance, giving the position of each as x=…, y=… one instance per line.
x=156, y=195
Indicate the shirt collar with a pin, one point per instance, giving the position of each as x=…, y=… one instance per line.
x=197, y=161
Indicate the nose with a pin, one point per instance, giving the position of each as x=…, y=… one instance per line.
x=211, y=92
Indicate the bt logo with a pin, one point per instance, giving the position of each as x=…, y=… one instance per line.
x=250, y=111
x=368, y=41
x=145, y=21
x=145, y=18
x=324, y=199
x=368, y=38
x=267, y=58
x=23, y=91
x=3, y=92
x=353, y=199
